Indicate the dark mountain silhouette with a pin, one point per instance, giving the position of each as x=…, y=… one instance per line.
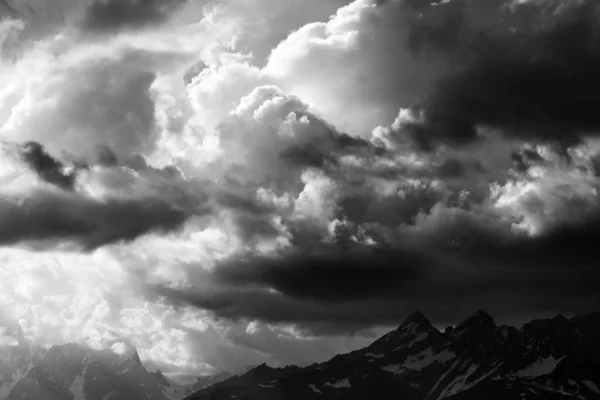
x=556, y=358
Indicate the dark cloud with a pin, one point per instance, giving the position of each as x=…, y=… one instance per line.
x=330, y=274
x=451, y=258
x=250, y=215
x=51, y=217
x=525, y=158
x=596, y=164
x=47, y=167
x=116, y=15
x=46, y=217
x=440, y=33
x=106, y=157
x=193, y=71
x=456, y=168
x=390, y=210
x=324, y=150
x=532, y=82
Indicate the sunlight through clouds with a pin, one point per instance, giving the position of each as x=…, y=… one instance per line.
x=220, y=183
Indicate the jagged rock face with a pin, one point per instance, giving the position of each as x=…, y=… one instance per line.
x=17, y=356
x=74, y=372
x=546, y=359
x=415, y=329
x=16, y=359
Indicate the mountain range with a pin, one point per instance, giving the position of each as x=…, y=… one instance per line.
x=557, y=358
x=548, y=359
x=74, y=372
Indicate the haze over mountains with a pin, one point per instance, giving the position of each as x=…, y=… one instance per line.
x=72, y=371
x=556, y=358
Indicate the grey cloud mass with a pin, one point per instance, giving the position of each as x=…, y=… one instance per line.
x=47, y=217
x=115, y=15
x=402, y=155
x=532, y=83
x=64, y=212
x=453, y=263
x=47, y=167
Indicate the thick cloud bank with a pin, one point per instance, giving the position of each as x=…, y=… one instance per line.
x=220, y=195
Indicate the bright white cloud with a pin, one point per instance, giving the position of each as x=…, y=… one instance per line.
x=548, y=195
x=246, y=139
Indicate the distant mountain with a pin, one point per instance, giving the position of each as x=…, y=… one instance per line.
x=16, y=359
x=75, y=372
x=547, y=359
x=206, y=381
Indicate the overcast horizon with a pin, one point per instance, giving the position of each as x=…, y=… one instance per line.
x=222, y=183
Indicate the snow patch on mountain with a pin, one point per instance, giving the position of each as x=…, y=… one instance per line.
x=459, y=383
x=419, y=338
x=77, y=388
x=411, y=328
x=425, y=358
x=394, y=369
x=78, y=383
x=543, y=366
x=343, y=383
x=15, y=363
x=445, y=356
x=592, y=386
x=420, y=360
x=314, y=388
x=374, y=355
x=107, y=396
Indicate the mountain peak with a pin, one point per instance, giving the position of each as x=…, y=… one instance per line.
x=479, y=320
x=561, y=319
x=416, y=321
x=160, y=378
x=157, y=373
x=416, y=316
x=259, y=369
x=415, y=326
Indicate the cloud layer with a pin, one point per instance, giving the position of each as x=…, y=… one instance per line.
x=284, y=193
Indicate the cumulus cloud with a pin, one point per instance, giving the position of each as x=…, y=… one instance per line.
x=359, y=54
x=263, y=24
x=260, y=189
x=86, y=107
x=88, y=207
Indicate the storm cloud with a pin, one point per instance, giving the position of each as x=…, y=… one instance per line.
x=47, y=167
x=238, y=179
x=532, y=83
x=47, y=217
x=456, y=257
x=115, y=15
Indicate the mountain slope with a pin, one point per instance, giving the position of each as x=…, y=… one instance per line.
x=553, y=358
x=16, y=359
x=74, y=372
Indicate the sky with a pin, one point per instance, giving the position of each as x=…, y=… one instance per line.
x=222, y=183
